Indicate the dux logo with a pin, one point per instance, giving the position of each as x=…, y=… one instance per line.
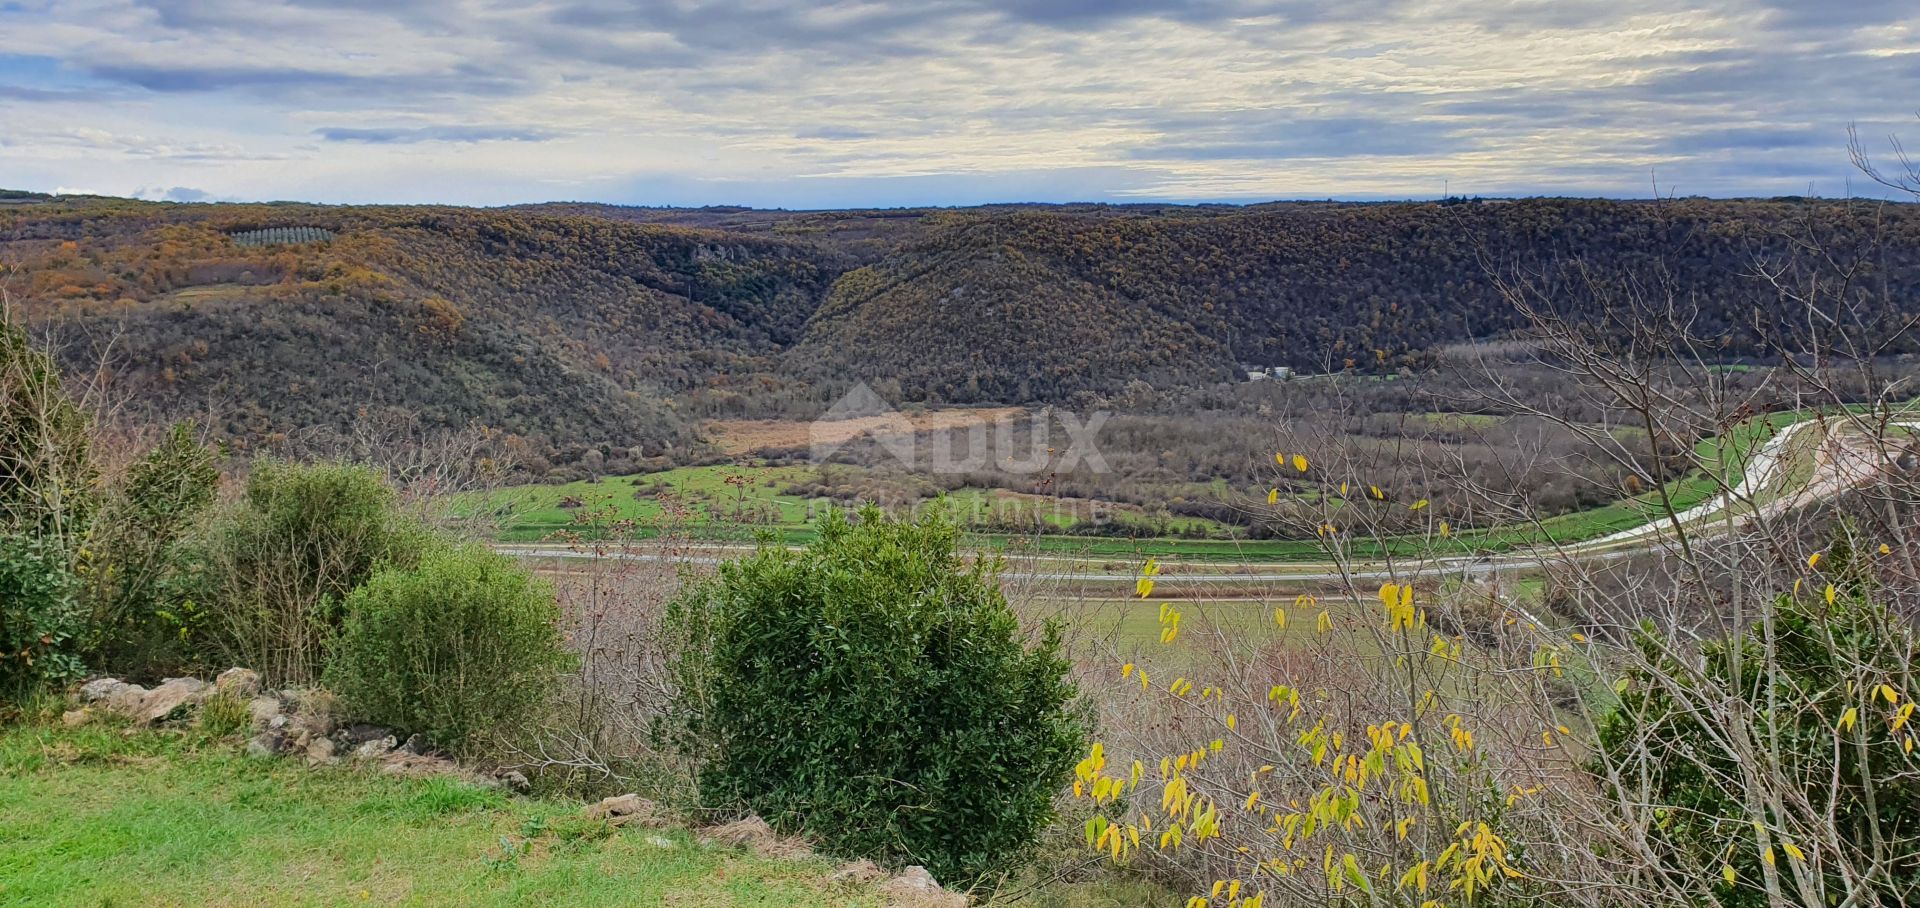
x=1049, y=439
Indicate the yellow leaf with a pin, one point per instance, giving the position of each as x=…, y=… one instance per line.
x=1280, y=618
x=1273, y=496
x=1280, y=459
x=1847, y=718
x=1445, y=530
x=1417, y=505
x=1793, y=851
x=1813, y=560
x=1831, y=593
x=1729, y=874
x=1889, y=694
x=1885, y=550
x=1300, y=462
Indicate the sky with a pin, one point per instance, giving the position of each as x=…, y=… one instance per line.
x=779, y=103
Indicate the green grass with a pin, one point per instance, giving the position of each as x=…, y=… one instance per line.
x=92, y=816
x=530, y=513
x=102, y=815
x=730, y=502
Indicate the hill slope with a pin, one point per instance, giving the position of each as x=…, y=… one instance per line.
x=601, y=332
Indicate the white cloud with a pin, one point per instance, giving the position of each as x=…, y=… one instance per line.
x=965, y=100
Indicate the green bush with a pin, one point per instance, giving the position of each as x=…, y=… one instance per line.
x=40, y=615
x=460, y=648
x=47, y=484
x=874, y=692
x=140, y=606
x=1817, y=701
x=274, y=570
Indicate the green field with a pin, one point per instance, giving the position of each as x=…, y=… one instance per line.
x=104, y=815
x=92, y=816
x=731, y=502
x=737, y=503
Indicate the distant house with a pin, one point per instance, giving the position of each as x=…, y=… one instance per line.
x=1262, y=373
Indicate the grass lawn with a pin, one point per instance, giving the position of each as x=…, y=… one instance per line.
x=94, y=816
x=105, y=816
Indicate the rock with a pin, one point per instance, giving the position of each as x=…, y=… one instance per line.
x=127, y=700
x=266, y=744
x=171, y=697
x=374, y=749
x=416, y=744
x=320, y=751
x=755, y=835
x=860, y=872
x=74, y=718
x=914, y=887
x=621, y=810
x=515, y=781
x=265, y=711
x=240, y=683
x=101, y=689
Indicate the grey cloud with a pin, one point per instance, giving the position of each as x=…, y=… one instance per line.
x=1274, y=135
x=466, y=79
x=834, y=134
x=1838, y=14
x=394, y=135
x=1753, y=138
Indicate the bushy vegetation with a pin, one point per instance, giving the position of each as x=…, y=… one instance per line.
x=41, y=619
x=140, y=574
x=875, y=691
x=276, y=569
x=461, y=648
x=1782, y=757
x=47, y=494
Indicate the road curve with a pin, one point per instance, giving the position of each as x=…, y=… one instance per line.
x=1837, y=467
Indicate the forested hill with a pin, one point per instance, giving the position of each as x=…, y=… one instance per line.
x=573, y=332
x=598, y=327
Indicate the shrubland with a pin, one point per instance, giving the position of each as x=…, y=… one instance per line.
x=1715, y=712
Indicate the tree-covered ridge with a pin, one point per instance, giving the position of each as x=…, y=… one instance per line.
x=1043, y=303
x=571, y=332
x=588, y=328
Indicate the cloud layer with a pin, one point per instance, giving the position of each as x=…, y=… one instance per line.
x=786, y=102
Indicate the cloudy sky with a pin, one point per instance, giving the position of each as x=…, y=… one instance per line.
x=781, y=102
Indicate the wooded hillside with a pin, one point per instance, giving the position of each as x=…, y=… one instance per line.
x=591, y=327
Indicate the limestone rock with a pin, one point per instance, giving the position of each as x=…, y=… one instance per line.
x=374, y=749
x=101, y=689
x=240, y=683
x=320, y=751
x=264, y=710
x=914, y=887
x=171, y=697
x=74, y=718
x=127, y=700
